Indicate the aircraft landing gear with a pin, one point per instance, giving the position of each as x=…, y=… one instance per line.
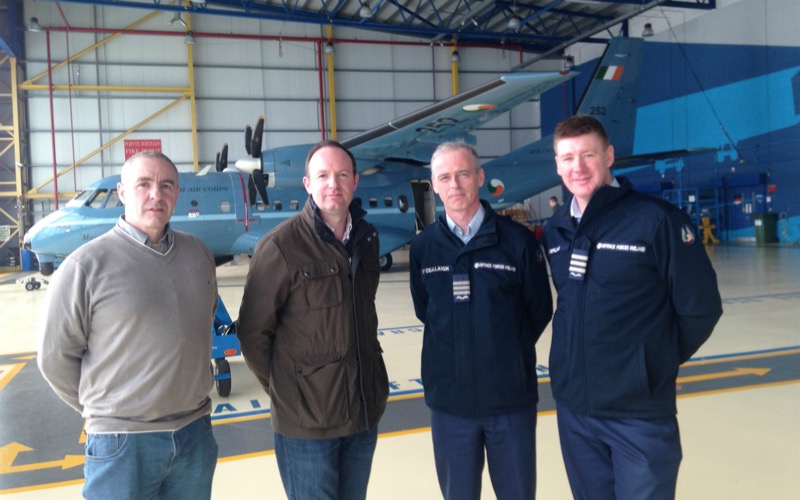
x=222, y=377
x=32, y=283
x=46, y=268
x=385, y=261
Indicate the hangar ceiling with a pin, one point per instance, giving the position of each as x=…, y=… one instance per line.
x=540, y=27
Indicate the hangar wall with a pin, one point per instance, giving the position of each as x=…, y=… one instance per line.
x=728, y=81
x=236, y=79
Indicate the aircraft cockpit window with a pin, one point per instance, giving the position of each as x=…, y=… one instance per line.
x=80, y=200
x=402, y=202
x=278, y=205
x=97, y=199
x=294, y=204
x=112, y=200
x=387, y=200
x=373, y=202
x=225, y=206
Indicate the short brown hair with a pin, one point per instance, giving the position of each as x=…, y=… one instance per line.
x=327, y=143
x=578, y=125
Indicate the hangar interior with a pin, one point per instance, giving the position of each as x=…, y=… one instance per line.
x=89, y=81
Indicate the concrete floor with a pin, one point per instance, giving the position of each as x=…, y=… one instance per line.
x=741, y=437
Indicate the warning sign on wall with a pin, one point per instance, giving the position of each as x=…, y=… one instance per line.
x=133, y=146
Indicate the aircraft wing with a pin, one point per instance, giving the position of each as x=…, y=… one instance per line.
x=415, y=136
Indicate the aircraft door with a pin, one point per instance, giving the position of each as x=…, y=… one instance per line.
x=424, y=203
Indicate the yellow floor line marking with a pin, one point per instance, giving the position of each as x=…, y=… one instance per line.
x=7, y=372
x=736, y=372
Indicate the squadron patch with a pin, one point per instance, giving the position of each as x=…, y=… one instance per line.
x=687, y=234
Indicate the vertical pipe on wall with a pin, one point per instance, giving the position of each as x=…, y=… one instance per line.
x=454, y=67
x=192, y=105
x=321, y=89
x=52, y=120
x=331, y=86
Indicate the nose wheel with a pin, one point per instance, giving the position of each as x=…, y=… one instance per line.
x=385, y=261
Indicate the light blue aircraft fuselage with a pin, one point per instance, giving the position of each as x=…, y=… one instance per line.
x=224, y=211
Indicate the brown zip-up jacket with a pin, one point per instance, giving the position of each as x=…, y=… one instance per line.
x=308, y=327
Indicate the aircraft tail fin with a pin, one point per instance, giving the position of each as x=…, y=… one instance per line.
x=611, y=95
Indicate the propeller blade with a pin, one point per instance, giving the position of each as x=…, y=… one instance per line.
x=251, y=190
x=255, y=145
x=216, y=163
x=261, y=185
x=223, y=160
x=248, y=136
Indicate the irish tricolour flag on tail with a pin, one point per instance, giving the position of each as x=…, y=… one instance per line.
x=610, y=73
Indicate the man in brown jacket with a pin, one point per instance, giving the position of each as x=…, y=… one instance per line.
x=308, y=330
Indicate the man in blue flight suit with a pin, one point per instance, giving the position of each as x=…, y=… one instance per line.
x=479, y=283
x=637, y=296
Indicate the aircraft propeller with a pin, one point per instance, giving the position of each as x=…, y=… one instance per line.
x=222, y=159
x=257, y=182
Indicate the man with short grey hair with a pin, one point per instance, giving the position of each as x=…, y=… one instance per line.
x=126, y=341
x=479, y=284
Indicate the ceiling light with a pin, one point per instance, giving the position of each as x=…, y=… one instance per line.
x=199, y=3
x=513, y=23
x=34, y=26
x=189, y=40
x=329, y=48
x=454, y=58
x=364, y=12
x=648, y=30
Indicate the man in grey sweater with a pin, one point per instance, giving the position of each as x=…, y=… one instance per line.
x=126, y=341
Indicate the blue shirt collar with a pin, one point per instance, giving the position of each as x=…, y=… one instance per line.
x=162, y=246
x=474, y=225
x=575, y=211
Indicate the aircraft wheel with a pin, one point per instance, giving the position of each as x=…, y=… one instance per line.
x=222, y=367
x=385, y=261
x=30, y=286
x=46, y=268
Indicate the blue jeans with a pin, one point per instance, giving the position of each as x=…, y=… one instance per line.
x=138, y=466
x=609, y=458
x=508, y=442
x=327, y=469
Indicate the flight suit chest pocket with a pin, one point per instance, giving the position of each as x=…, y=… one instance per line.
x=322, y=285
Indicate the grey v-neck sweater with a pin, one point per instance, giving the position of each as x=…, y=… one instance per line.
x=126, y=334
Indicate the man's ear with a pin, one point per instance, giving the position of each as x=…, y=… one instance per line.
x=121, y=192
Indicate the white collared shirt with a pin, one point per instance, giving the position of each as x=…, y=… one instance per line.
x=347, y=228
